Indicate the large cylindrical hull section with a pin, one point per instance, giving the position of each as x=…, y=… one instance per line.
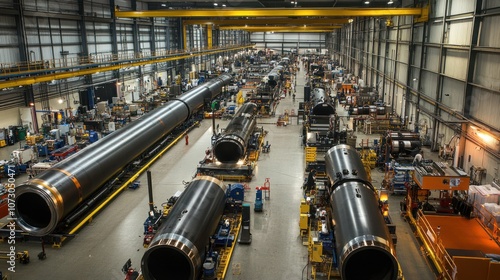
x=363, y=242
x=42, y=202
x=321, y=103
x=178, y=248
x=232, y=145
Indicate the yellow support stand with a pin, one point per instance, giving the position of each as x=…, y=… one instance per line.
x=310, y=154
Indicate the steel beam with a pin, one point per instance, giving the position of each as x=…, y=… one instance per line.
x=278, y=28
x=270, y=21
x=119, y=65
x=293, y=12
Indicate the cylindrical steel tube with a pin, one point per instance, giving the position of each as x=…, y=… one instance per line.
x=42, y=202
x=177, y=250
x=401, y=146
x=321, y=103
x=363, y=242
x=232, y=145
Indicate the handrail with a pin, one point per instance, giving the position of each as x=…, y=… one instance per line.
x=54, y=63
x=433, y=245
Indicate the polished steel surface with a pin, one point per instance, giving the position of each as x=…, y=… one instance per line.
x=364, y=245
x=178, y=248
x=232, y=145
x=322, y=104
x=41, y=206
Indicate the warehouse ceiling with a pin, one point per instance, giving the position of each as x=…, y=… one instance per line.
x=220, y=4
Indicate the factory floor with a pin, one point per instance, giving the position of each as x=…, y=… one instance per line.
x=276, y=252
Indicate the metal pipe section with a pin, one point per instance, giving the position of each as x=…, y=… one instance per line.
x=150, y=192
x=232, y=145
x=321, y=103
x=177, y=250
x=42, y=202
x=363, y=242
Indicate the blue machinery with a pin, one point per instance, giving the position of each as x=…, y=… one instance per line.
x=183, y=245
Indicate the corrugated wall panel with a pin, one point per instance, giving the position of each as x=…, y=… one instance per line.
x=455, y=64
x=459, y=33
x=431, y=59
x=460, y=7
x=428, y=83
x=487, y=70
x=435, y=32
x=416, y=55
x=403, y=53
x=405, y=35
x=438, y=8
x=453, y=93
x=490, y=37
x=402, y=73
x=418, y=29
x=484, y=106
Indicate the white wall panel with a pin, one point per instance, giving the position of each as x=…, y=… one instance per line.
x=393, y=34
x=405, y=35
x=460, y=7
x=437, y=8
x=456, y=64
x=403, y=53
x=487, y=70
x=10, y=117
x=490, y=37
x=417, y=50
x=435, y=32
x=401, y=72
x=455, y=91
x=476, y=156
x=417, y=36
x=484, y=106
x=459, y=33
x=431, y=59
x=428, y=83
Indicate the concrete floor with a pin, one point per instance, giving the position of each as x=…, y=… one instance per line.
x=101, y=248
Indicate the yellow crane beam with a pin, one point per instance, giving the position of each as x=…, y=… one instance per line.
x=24, y=81
x=268, y=12
x=280, y=28
x=270, y=21
x=294, y=31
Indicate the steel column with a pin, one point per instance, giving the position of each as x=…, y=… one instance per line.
x=408, y=73
x=439, y=85
x=471, y=62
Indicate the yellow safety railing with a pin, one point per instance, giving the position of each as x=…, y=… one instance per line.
x=433, y=245
x=101, y=58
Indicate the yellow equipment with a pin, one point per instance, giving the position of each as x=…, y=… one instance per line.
x=304, y=217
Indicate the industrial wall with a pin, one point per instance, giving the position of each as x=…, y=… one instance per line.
x=440, y=75
x=47, y=34
x=286, y=42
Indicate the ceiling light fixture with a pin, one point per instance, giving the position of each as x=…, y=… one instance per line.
x=367, y=2
x=215, y=4
x=390, y=2
x=224, y=5
x=163, y=5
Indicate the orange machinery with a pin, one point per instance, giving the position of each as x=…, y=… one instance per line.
x=440, y=176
